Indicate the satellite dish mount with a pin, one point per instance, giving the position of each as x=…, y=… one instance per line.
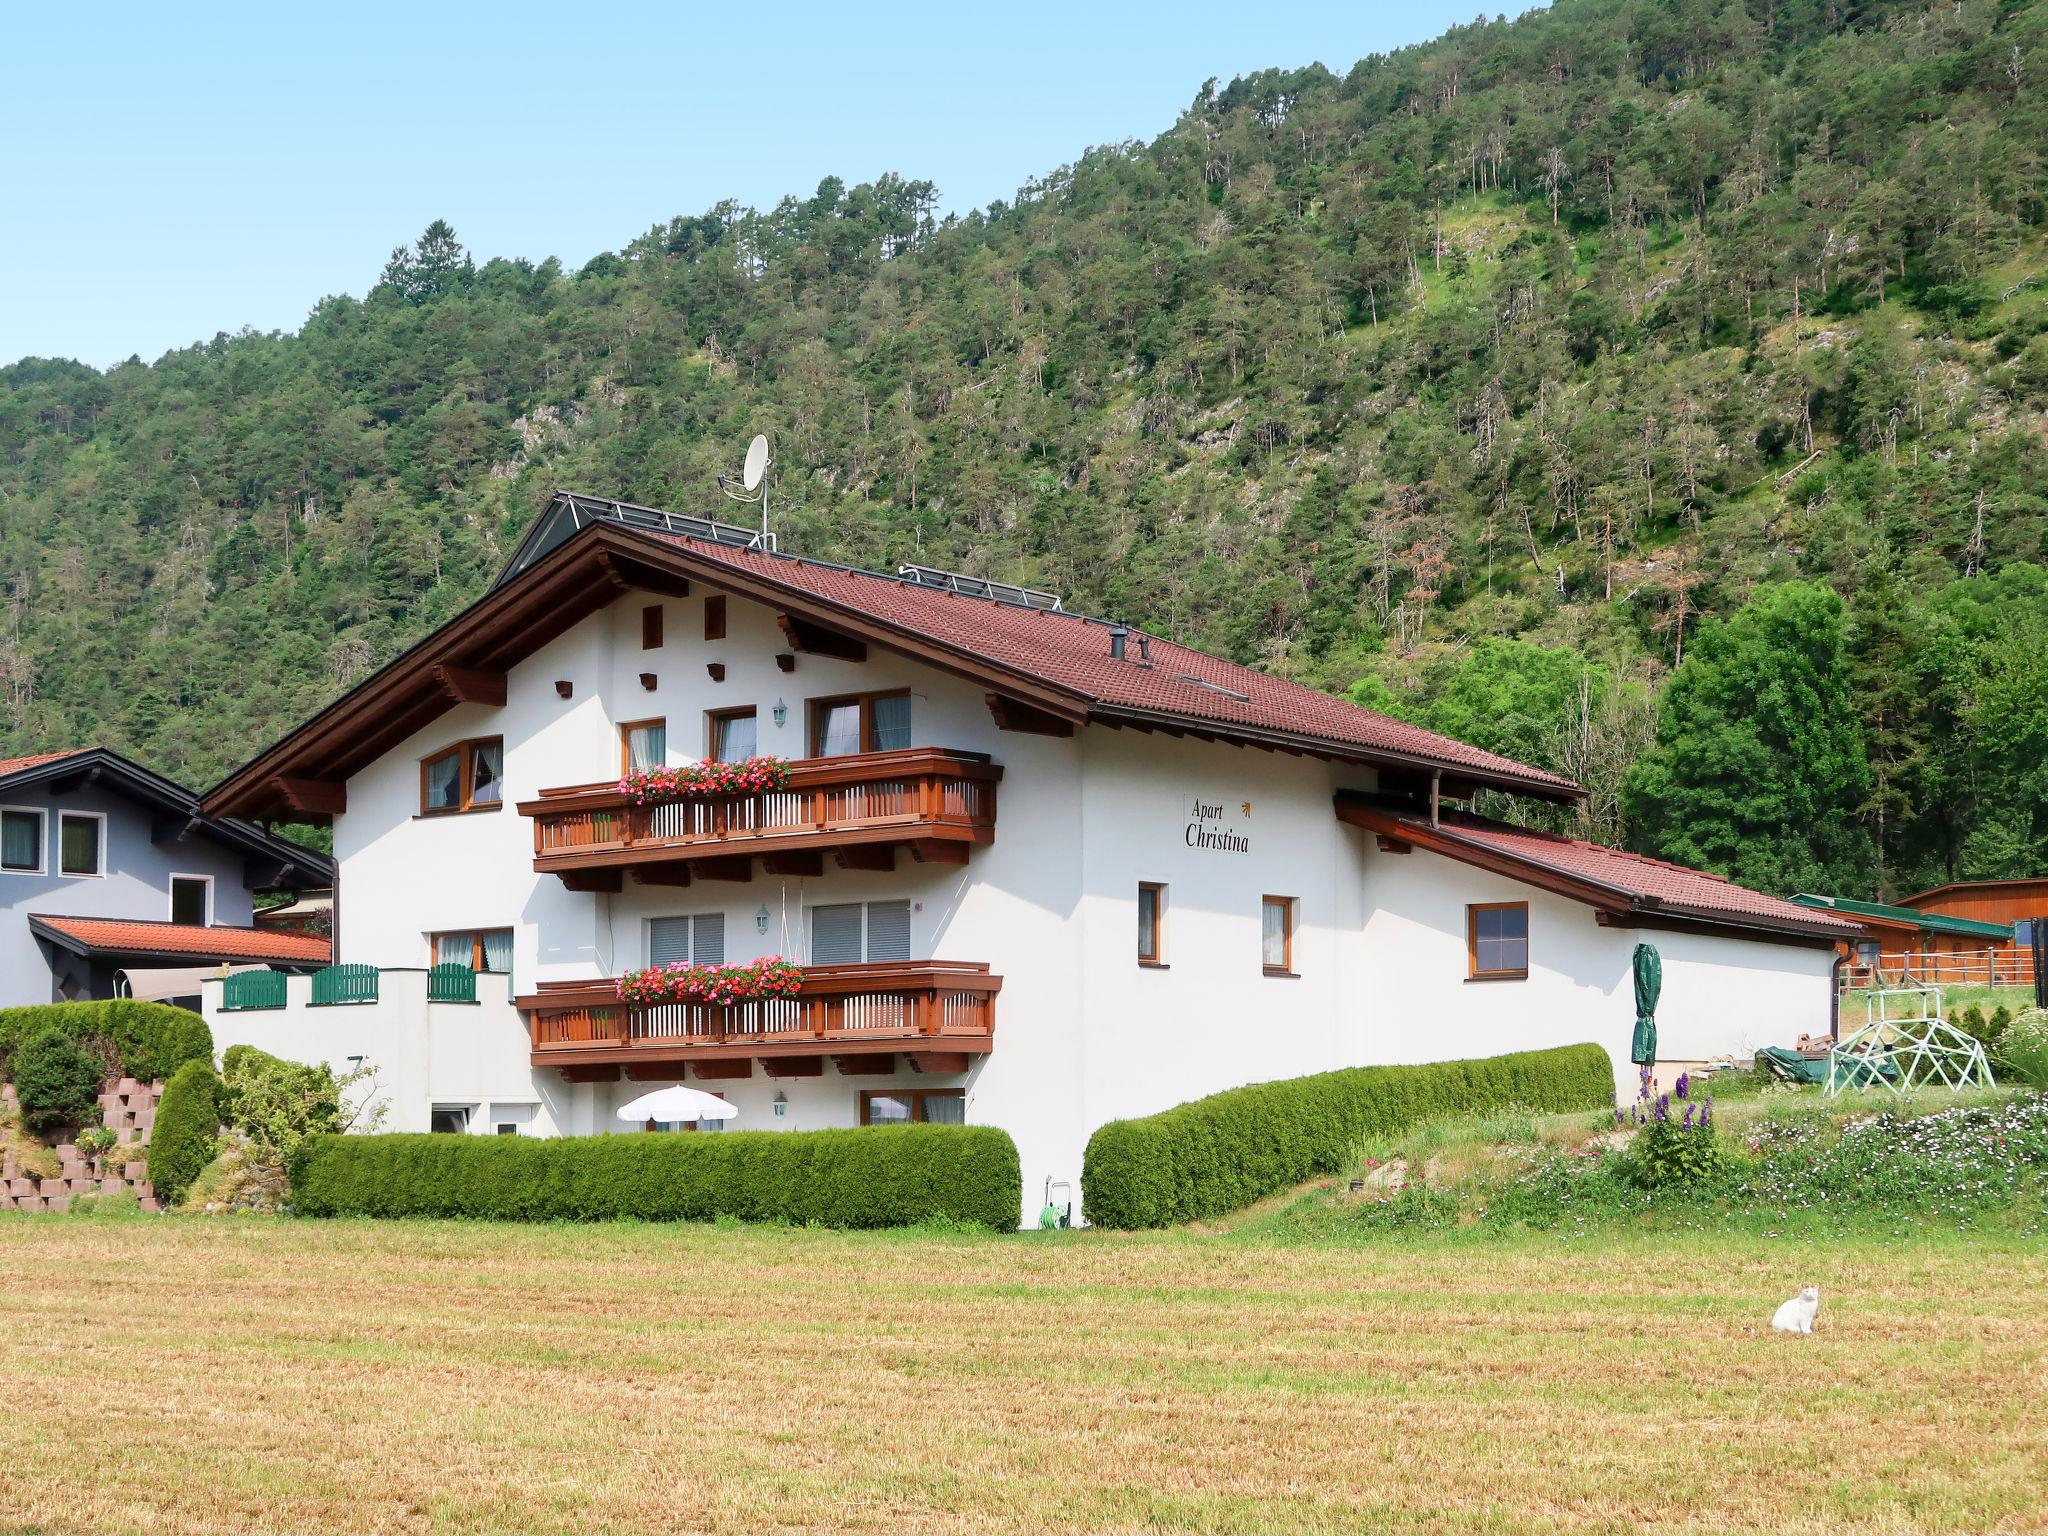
x=751, y=486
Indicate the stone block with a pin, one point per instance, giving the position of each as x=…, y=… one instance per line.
x=135, y=1173
x=149, y=1203
x=58, y=1203
x=28, y=1202
x=18, y=1186
x=144, y=1119
x=66, y=1152
x=50, y=1187
x=145, y=1190
x=126, y=1086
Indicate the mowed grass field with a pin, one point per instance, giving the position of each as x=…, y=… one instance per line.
x=245, y=1375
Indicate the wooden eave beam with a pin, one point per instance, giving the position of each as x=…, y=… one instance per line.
x=1015, y=715
x=816, y=640
x=323, y=797
x=470, y=685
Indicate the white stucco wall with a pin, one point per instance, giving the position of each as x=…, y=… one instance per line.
x=1083, y=1033
x=1721, y=995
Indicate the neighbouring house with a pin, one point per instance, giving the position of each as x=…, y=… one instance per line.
x=2022, y=903
x=1042, y=870
x=113, y=881
x=1913, y=945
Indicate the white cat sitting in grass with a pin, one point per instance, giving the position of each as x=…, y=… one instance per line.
x=1796, y=1315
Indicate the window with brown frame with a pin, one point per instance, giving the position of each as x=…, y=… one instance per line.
x=730, y=735
x=913, y=1106
x=1497, y=940
x=1276, y=935
x=481, y=949
x=714, y=618
x=642, y=744
x=650, y=627
x=1151, y=922
x=860, y=722
x=467, y=776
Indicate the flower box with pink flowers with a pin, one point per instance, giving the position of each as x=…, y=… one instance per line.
x=753, y=776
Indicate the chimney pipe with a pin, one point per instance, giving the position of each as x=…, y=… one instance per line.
x=1117, y=636
x=1144, y=650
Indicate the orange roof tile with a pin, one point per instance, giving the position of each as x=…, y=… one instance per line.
x=16, y=764
x=205, y=942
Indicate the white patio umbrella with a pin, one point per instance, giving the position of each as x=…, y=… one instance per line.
x=678, y=1103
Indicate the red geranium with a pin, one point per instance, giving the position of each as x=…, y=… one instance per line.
x=726, y=985
x=754, y=776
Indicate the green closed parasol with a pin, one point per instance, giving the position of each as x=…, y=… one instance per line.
x=1649, y=969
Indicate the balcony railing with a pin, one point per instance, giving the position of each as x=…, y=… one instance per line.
x=916, y=795
x=908, y=1005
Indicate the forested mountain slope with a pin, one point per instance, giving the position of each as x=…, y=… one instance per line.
x=1488, y=382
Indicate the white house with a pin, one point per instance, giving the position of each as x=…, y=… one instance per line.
x=1043, y=871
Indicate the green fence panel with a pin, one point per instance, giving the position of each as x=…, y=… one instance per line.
x=340, y=984
x=246, y=990
x=451, y=983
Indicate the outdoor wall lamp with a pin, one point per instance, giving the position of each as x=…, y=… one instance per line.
x=781, y=712
x=761, y=918
x=781, y=1103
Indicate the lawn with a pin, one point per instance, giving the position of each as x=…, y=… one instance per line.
x=195, y=1374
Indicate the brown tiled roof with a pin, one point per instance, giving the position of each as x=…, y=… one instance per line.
x=1630, y=882
x=127, y=936
x=1072, y=654
x=16, y=764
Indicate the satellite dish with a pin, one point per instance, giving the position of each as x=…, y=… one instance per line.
x=757, y=463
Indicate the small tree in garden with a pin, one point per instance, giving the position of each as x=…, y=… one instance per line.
x=276, y=1104
x=57, y=1081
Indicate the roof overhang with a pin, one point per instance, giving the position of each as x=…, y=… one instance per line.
x=181, y=811
x=303, y=775
x=1614, y=905
x=43, y=928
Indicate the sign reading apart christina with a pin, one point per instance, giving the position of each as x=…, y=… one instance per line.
x=1217, y=826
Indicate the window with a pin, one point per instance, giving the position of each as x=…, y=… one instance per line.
x=695, y=940
x=192, y=899
x=862, y=722
x=1497, y=939
x=914, y=1106
x=507, y=1128
x=469, y=776
x=714, y=618
x=732, y=733
x=1276, y=935
x=847, y=933
x=81, y=840
x=449, y=1120
x=643, y=744
x=650, y=627
x=1151, y=917
x=21, y=841
x=481, y=949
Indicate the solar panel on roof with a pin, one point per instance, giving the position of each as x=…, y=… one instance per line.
x=980, y=586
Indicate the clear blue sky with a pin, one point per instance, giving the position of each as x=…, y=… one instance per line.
x=176, y=170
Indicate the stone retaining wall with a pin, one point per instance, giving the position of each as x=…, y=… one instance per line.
x=128, y=1109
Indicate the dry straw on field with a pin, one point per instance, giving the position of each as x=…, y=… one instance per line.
x=190, y=1376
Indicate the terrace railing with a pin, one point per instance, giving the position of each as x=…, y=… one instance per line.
x=912, y=795
x=909, y=1005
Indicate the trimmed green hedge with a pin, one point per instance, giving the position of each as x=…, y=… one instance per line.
x=154, y=1039
x=1221, y=1153
x=186, y=1132
x=880, y=1176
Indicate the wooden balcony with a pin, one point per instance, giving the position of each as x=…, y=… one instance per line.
x=938, y=1013
x=860, y=808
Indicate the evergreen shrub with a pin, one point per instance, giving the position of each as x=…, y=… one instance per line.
x=56, y=1079
x=1219, y=1154
x=186, y=1133
x=878, y=1176
x=152, y=1039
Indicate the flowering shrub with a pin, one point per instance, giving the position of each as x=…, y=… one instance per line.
x=1670, y=1149
x=769, y=977
x=2023, y=1047
x=754, y=776
x=1954, y=1162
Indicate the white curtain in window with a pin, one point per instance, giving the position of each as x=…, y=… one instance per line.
x=454, y=948
x=647, y=746
x=888, y=930
x=839, y=730
x=835, y=934
x=736, y=739
x=498, y=950
x=887, y=1109
x=487, y=773
x=444, y=782
x=945, y=1109
x=1274, y=934
x=892, y=723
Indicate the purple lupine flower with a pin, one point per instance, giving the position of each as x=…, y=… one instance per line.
x=1688, y=1114
x=1684, y=1084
